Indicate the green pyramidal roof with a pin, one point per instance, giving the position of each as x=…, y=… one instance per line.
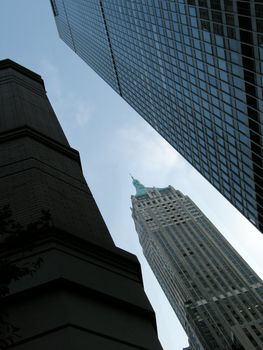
x=140, y=188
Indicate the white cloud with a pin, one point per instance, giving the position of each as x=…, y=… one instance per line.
x=146, y=151
x=68, y=104
x=52, y=80
x=83, y=113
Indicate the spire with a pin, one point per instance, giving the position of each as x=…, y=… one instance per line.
x=140, y=188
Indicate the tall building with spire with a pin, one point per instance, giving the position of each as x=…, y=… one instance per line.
x=87, y=293
x=193, y=70
x=216, y=296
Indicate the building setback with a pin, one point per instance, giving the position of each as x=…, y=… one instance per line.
x=216, y=296
x=87, y=294
x=193, y=70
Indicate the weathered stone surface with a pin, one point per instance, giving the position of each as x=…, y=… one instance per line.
x=87, y=294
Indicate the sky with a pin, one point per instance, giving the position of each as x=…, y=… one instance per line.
x=113, y=141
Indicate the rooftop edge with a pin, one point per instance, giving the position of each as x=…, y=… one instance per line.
x=7, y=63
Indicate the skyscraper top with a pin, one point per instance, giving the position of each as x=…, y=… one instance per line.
x=140, y=188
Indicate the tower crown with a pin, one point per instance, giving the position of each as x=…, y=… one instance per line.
x=140, y=188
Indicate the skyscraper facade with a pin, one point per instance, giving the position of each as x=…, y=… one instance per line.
x=216, y=296
x=87, y=293
x=193, y=70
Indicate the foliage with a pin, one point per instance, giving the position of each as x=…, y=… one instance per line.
x=15, y=235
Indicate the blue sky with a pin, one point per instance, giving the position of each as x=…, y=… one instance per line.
x=113, y=141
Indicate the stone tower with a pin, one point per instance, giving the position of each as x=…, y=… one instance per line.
x=87, y=293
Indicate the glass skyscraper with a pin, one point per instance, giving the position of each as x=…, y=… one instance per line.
x=216, y=296
x=193, y=70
